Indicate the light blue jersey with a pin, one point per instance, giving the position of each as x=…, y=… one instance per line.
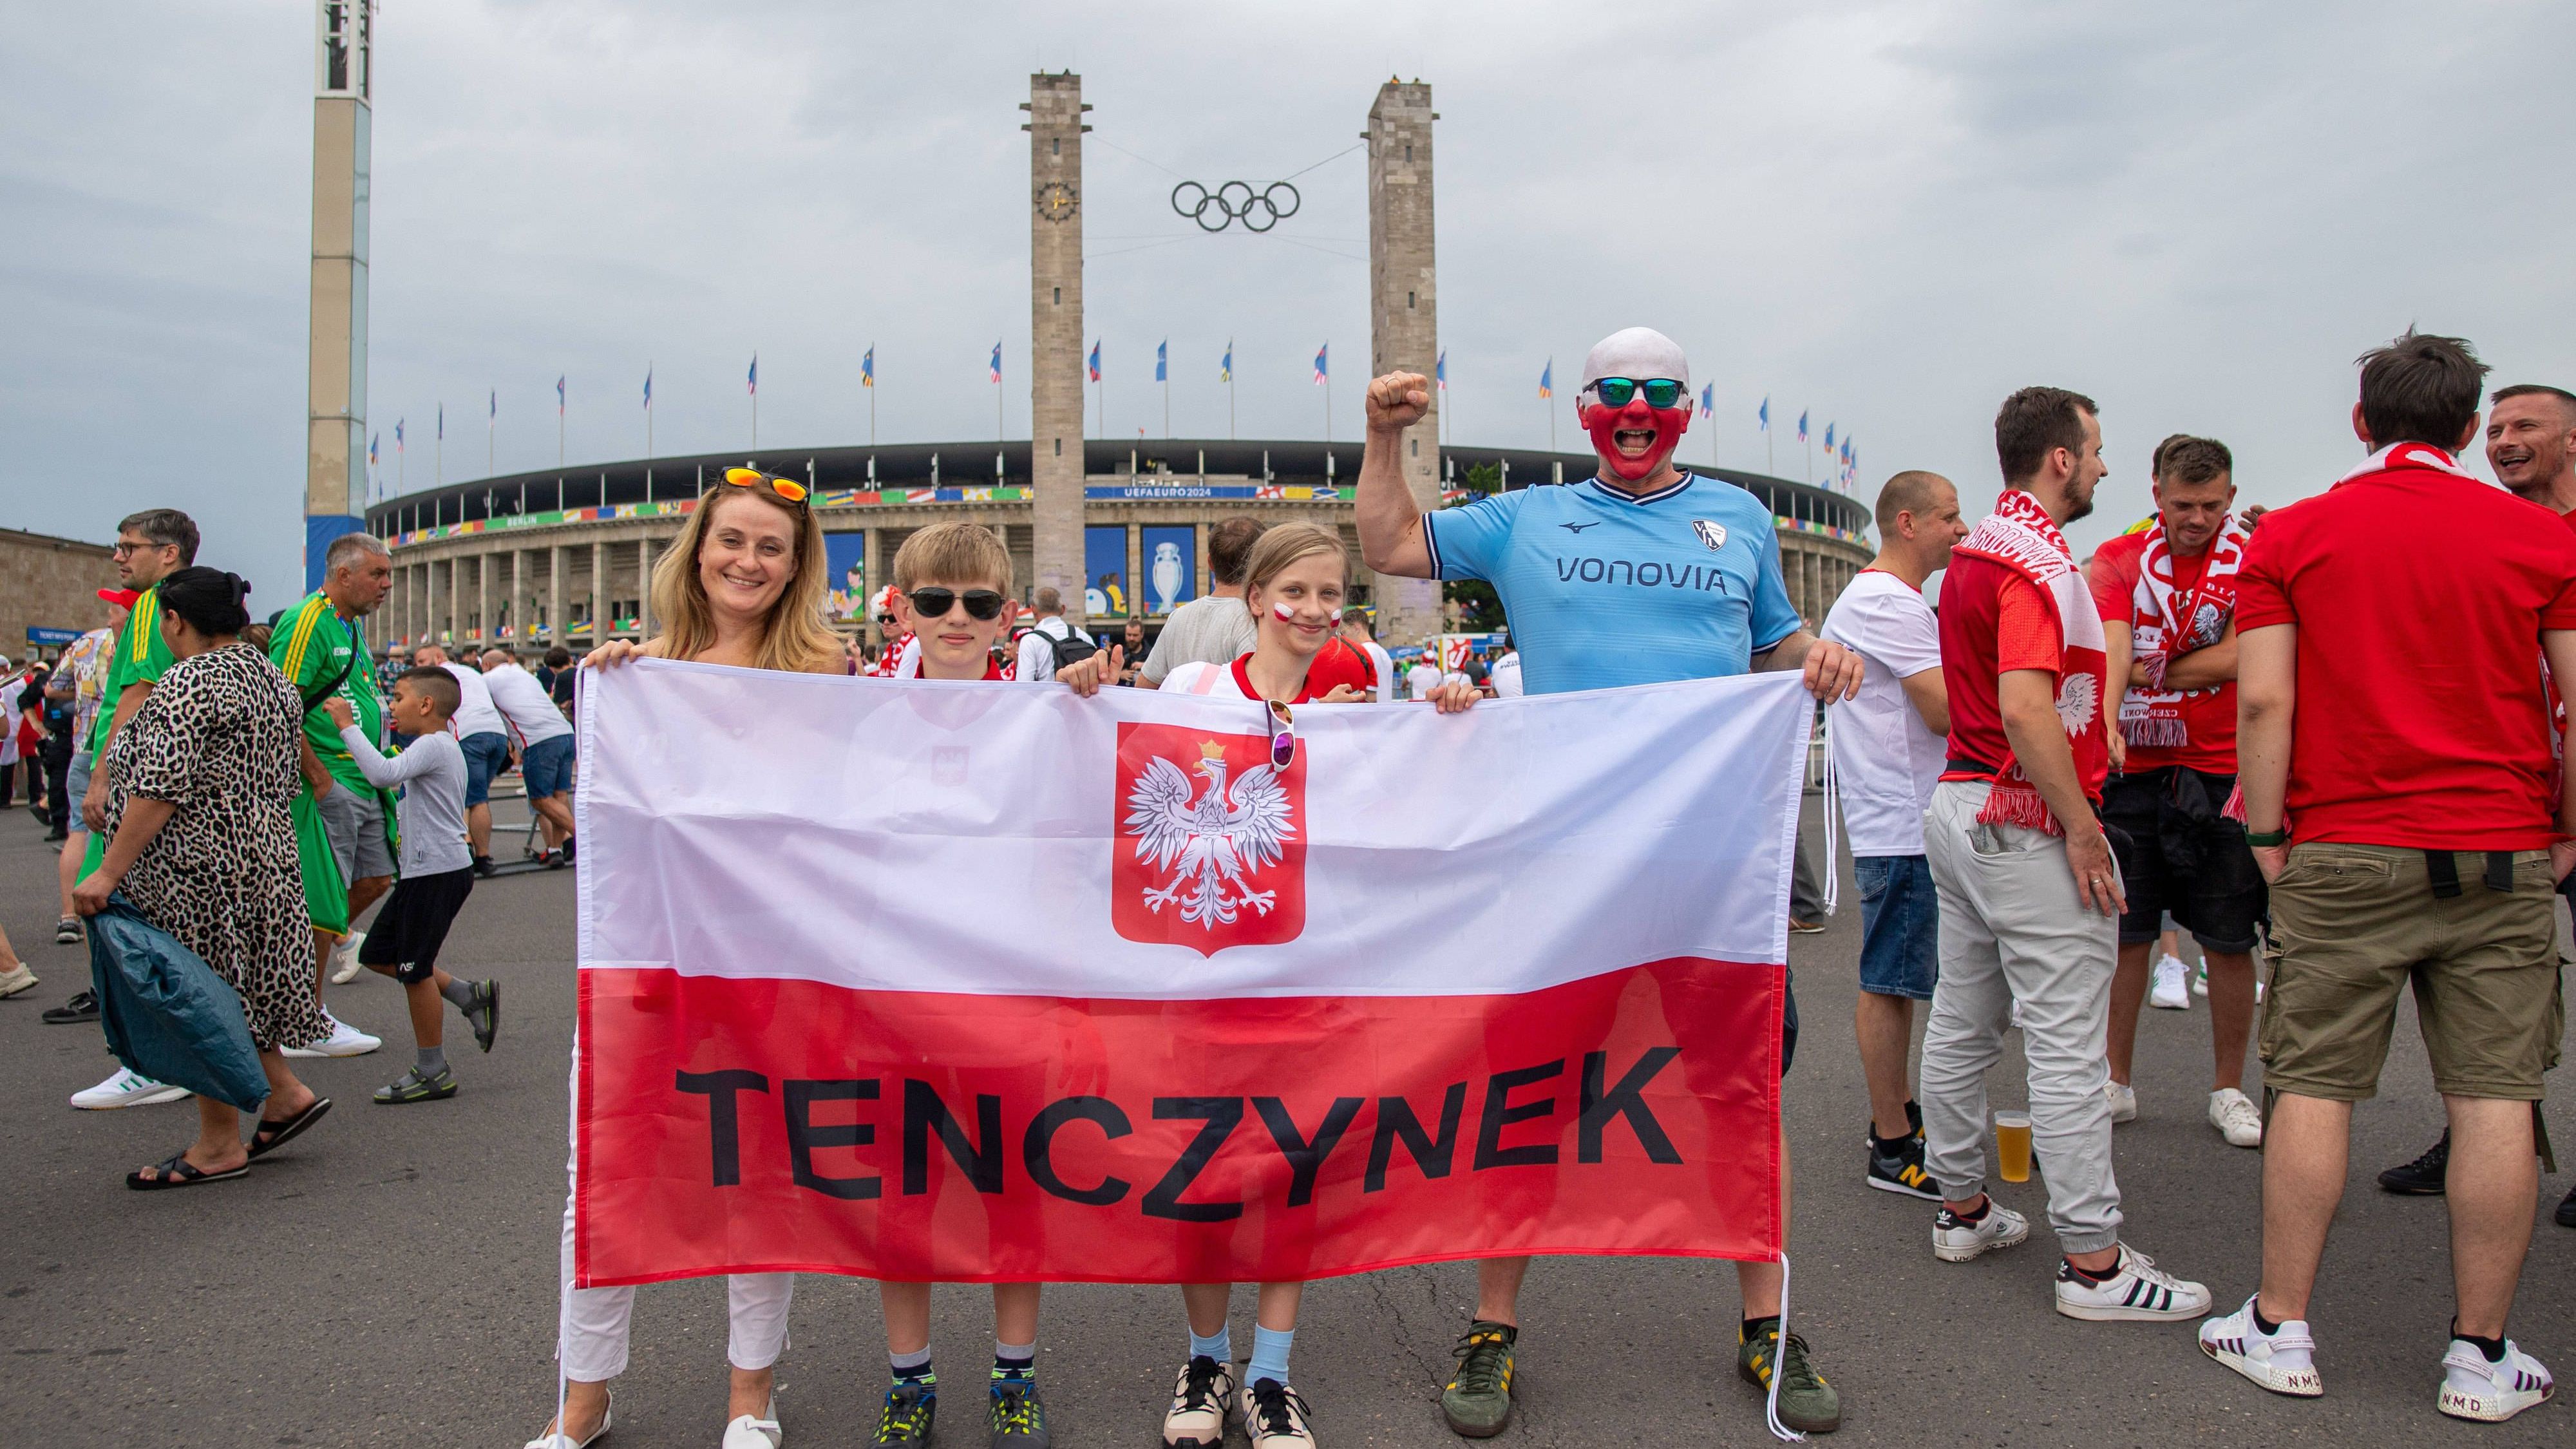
x=1604, y=589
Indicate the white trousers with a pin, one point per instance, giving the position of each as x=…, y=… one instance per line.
x=591, y=1335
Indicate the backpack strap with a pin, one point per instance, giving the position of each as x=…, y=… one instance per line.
x=313, y=700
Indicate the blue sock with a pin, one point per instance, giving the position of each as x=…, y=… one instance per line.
x=1269, y=1354
x=1217, y=1346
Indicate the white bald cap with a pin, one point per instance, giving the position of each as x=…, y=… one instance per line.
x=1638, y=352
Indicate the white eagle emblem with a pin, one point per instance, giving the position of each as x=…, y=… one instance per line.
x=2076, y=701
x=1212, y=844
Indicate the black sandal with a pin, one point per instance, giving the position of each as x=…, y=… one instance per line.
x=177, y=1171
x=273, y=1135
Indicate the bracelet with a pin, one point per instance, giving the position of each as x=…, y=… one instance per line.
x=2265, y=838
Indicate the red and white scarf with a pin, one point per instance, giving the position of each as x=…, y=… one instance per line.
x=2169, y=622
x=2021, y=536
x=2411, y=455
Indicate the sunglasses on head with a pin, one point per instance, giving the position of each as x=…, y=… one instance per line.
x=1283, y=733
x=935, y=603
x=1661, y=392
x=787, y=488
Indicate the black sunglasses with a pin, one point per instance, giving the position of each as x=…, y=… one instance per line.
x=935, y=603
x=1614, y=392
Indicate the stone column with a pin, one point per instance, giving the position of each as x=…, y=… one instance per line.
x=1139, y=598
x=874, y=551
x=484, y=633
x=1055, y=310
x=644, y=587
x=429, y=579
x=599, y=620
x=555, y=599
x=1404, y=331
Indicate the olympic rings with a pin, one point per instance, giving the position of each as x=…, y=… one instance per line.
x=1235, y=201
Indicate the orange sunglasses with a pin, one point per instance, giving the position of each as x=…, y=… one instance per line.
x=787, y=488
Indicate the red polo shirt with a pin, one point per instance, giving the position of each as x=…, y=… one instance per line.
x=2419, y=597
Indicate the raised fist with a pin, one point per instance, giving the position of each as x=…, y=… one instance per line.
x=1398, y=400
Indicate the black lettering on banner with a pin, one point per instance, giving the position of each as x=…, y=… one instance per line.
x=1305, y=1157
x=724, y=1124
x=924, y=1113
x=1037, y=1147
x=1395, y=1120
x=803, y=1136
x=1500, y=1113
x=1222, y=1115
x=1624, y=1100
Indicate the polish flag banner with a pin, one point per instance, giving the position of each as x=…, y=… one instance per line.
x=987, y=982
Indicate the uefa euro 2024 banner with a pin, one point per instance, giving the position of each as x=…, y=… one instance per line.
x=985, y=982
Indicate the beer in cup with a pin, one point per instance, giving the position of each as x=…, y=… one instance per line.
x=2012, y=1146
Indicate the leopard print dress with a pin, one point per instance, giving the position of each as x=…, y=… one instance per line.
x=217, y=738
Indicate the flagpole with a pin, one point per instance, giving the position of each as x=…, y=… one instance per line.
x=559, y=429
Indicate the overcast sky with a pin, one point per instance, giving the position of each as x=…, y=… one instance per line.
x=1885, y=215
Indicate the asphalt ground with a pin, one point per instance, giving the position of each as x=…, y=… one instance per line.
x=390, y=1278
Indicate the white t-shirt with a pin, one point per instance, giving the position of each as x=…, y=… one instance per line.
x=1211, y=629
x=523, y=702
x=1421, y=679
x=1384, y=664
x=1505, y=676
x=1886, y=759
x=1198, y=677
x=1037, y=655
x=474, y=712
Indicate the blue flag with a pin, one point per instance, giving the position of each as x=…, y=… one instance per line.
x=648, y=386
x=1162, y=351
x=1440, y=370
x=1802, y=427
x=1829, y=437
x=1320, y=370
x=398, y=447
x=1095, y=362
x=559, y=397
x=996, y=367
x=751, y=380
x=1765, y=415
x=1225, y=369
x=868, y=367
x=1708, y=400
x=1547, y=380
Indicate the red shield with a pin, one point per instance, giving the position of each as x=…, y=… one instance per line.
x=1211, y=841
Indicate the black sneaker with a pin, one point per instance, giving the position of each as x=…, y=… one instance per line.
x=567, y=852
x=910, y=1408
x=2567, y=1210
x=1913, y=1124
x=482, y=866
x=1017, y=1417
x=67, y=931
x=485, y=1014
x=412, y=1087
x=1902, y=1170
x=2425, y=1176
x=83, y=1007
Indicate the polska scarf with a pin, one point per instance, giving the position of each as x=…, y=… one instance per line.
x=2170, y=622
x=2021, y=536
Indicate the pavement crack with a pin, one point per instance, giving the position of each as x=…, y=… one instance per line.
x=1429, y=1368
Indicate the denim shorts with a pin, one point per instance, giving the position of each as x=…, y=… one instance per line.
x=1900, y=926
x=486, y=755
x=546, y=766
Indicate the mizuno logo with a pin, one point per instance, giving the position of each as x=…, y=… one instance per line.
x=1578, y=527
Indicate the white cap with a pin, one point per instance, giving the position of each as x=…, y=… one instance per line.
x=1638, y=352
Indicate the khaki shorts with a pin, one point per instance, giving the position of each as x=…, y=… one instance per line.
x=2352, y=925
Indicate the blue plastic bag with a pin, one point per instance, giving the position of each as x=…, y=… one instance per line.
x=167, y=1014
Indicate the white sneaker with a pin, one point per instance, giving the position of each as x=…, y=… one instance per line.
x=2236, y=1117
x=126, y=1089
x=344, y=1041
x=2124, y=1101
x=2473, y=1388
x=2200, y=981
x=2283, y=1360
x=559, y=1440
x=2171, y=993
x=344, y=958
x=1201, y=1398
x=1955, y=1241
x=2138, y=1293
x=1274, y=1416
x=16, y=979
x=755, y=1431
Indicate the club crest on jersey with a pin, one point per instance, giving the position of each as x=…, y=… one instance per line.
x=1210, y=840
x=1710, y=532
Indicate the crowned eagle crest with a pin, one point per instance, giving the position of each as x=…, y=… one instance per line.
x=1211, y=838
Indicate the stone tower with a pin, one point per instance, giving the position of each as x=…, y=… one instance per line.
x=1404, y=330
x=1055, y=333
x=335, y=470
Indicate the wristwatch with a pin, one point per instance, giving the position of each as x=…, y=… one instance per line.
x=2264, y=838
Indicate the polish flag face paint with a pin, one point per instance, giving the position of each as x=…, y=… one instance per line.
x=1282, y=613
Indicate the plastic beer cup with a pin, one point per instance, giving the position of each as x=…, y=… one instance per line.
x=2012, y=1146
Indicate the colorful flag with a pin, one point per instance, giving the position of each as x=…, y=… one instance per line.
x=868, y=367
x=559, y=396
x=371, y=448
x=996, y=366
x=1547, y=379
x=1020, y=992
x=1095, y=361
x=1225, y=368
x=751, y=380
x=398, y=442
x=1829, y=437
x=442, y=422
x=648, y=387
x=1765, y=415
x=1320, y=369
x=1162, y=351
x=1708, y=400
x=496, y=405
x=1802, y=427
x=1440, y=370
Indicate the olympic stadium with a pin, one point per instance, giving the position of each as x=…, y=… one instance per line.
x=1118, y=527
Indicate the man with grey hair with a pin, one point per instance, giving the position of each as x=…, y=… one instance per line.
x=343, y=838
x=1042, y=648
x=1596, y=627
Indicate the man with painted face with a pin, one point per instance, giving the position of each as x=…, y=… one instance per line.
x=1580, y=570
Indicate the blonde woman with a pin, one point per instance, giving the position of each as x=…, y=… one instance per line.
x=1294, y=584
x=742, y=585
